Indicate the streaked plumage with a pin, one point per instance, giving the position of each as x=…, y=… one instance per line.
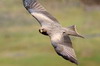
x=50, y=26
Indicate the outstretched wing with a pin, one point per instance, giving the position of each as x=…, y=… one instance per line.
x=63, y=46
x=38, y=11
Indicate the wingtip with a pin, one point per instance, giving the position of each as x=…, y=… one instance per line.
x=76, y=63
x=73, y=60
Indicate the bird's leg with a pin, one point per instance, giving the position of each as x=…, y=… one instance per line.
x=43, y=31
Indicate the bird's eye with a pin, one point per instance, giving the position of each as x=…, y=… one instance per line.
x=64, y=32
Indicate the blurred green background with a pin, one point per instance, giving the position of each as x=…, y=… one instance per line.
x=22, y=45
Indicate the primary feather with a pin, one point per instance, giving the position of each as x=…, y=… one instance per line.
x=63, y=47
x=38, y=11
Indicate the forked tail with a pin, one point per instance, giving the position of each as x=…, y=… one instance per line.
x=73, y=32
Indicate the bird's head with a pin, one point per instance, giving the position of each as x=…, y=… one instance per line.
x=43, y=31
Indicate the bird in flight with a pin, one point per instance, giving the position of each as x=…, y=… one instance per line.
x=59, y=35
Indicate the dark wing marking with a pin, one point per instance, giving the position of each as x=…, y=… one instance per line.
x=38, y=11
x=63, y=47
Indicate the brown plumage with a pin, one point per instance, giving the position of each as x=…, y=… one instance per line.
x=50, y=26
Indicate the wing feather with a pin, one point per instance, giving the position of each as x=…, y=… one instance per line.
x=39, y=12
x=63, y=46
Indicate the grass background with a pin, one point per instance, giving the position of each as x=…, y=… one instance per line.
x=22, y=45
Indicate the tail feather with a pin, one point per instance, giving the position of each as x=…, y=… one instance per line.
x=72, y=31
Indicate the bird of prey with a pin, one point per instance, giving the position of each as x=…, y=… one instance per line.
x=51, y=27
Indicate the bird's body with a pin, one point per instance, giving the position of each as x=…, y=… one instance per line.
x=51, y=27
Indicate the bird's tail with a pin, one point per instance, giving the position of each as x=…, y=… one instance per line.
x=72, y=31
